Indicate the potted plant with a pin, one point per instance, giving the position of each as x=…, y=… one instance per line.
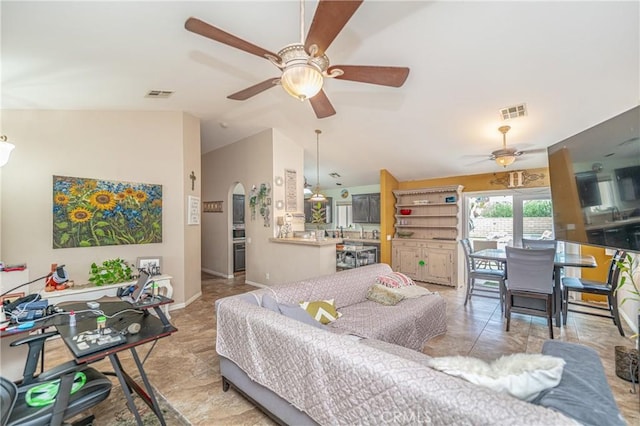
x=111, y=271
x=626, y=359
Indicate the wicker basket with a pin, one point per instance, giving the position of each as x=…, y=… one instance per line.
x=627, y=363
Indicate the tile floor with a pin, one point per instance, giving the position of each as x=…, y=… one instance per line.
x=184, y=367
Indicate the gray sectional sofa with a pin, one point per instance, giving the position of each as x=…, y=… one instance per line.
x=347, y=373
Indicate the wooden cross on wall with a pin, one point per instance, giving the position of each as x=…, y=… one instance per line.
x=192, y=176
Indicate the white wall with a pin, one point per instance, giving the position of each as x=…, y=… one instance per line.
x=250, y=161
x=148, y=147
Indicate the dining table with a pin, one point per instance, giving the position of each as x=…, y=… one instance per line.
x=561, y=260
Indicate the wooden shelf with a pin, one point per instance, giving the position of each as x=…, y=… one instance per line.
x=431, y=253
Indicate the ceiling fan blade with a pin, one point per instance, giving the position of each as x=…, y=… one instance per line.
x=330, y=17
x=321, y=105
x=200, y=27
x=385, y=76
x=245, y=94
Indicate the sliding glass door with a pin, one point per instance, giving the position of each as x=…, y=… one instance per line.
x=501, y=218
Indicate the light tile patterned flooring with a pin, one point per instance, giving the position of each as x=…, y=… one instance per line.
x=184, y=367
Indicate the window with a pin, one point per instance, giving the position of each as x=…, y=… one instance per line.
x=343, y=215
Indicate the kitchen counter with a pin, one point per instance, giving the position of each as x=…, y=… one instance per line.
x=360, y=240
x=307, y=241
x=615, y=224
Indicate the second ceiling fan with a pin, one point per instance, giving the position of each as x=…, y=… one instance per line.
x=305, y=65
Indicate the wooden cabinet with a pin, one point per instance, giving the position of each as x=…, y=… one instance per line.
x=317, y=211
x=427, y=231
x=366, y=208
x=405, y=258
x=428, y=262
x=238, y=208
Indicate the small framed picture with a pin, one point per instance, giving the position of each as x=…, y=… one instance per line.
x=152, y=264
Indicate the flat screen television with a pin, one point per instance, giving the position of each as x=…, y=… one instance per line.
x=595, y=184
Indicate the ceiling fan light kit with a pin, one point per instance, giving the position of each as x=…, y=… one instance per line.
x=301, y=74
x=304, y=65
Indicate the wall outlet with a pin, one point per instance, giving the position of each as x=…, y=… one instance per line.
x=266, y=275
x=388, y=237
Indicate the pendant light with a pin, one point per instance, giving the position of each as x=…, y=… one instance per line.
x=317, y=195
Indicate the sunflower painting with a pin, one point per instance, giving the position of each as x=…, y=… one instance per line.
x=90, y=212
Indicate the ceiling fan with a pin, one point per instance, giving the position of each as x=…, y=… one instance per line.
x=305, y=65
x=505, y=156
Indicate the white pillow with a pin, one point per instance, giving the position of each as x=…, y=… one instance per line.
x=411, y=291
x=523, y=376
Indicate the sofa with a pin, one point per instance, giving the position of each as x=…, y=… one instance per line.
x=302, y=374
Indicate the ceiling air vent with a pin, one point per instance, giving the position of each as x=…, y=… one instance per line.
x=159, y=94
x=515, y=111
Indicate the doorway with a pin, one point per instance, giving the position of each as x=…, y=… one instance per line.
x=505, y=217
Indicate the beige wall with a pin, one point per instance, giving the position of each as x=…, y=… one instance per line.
x=191, y=244
x=149, y=147
x=252, y=161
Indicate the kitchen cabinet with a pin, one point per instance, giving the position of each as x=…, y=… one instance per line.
x=596, y=237
x=238, y=208
x=365, y=208
x=317, y=211
x=427, y=229
x=238, y=256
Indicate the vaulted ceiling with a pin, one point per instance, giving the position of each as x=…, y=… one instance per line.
x=574, y=64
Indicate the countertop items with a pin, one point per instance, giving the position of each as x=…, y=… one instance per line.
x=361, y=240
x=307, y=241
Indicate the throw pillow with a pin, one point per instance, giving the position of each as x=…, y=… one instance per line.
x=299, y=314
x=270, y=303
x=383, y=295
x=323, y=311
x=412, y=291
x=394, y=280
x=292, y=311
x=523, y=376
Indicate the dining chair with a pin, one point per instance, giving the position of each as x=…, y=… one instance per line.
x=539, y=244
x=486, y=244
x=607, y=288
x=474, y=272
x=530, y=283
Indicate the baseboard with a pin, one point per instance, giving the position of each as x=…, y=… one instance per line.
x=216, y=273
x=256, y=284
x=192, y=299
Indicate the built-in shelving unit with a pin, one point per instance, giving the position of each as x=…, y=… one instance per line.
x=425, y=243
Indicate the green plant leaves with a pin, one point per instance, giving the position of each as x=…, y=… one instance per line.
x=111, y=271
